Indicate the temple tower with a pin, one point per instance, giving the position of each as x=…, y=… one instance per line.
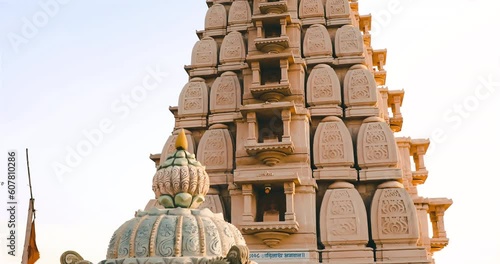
x=287, y=108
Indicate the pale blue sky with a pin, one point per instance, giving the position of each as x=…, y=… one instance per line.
x=82, y=64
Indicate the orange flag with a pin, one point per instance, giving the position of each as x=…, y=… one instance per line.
x=33, y=254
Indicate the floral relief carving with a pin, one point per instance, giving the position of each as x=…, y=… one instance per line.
x=343, y=219
x=232, y=48
x=215, y=17
x=239, y=12
x=310, y=8
x=377, y=152
x=192, y=103
x=226, y=93
x=204, y=53
x=192, y=98
x=323, y=86
x=395, y=225
x=316, y=40
x=332, y=143
x=215, y=150
x=344, y=226
x=359, y=85
x=376, y=144
x=342, y=207
x=393, y=212
x=349, y=40
x=337, y=6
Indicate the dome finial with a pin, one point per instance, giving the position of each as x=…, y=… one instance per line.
x=181, y=142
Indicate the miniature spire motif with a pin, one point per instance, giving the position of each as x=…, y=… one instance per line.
x=181, y=181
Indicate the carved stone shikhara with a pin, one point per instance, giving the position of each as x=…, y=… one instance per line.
x=288, y=111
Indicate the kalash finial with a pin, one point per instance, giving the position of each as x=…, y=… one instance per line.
x=181, y=141
x=181, y=181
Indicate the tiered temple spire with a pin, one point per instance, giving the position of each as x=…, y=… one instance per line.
x=287, y=107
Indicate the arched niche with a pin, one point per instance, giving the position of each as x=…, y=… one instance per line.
x=323, y=86
x=204, y=53
x=376, y=145
x=215, y=152
x=317, y=42
x=216, y=20
x=360, y=88
x=343, y=219
x=193, y=100
x=240, y=15
x=312, y=12
x=225, y=93
x=232, y=50
x=169, y=147
x=333, y=151
x=337, y=9
x=348, y=41
x=394, y=221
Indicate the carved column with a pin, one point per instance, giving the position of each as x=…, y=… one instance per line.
x=255, y=73
x=284, y=71
x=252, y=121
x=247, y=191
x=437, y=219
x=396, y=105
x=418, y=158
x=286, y=116
x=290, y=207
x=283, y=27
x=258, y=24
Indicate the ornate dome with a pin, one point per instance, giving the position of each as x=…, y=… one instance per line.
x=162, y=235
x=181, y=181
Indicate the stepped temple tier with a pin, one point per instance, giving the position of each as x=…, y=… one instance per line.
x=293, y=126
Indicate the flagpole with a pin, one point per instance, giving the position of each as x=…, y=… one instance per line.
x=31, y=215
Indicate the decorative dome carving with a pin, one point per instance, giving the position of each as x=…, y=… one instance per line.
x=162, y=235
x=181, y=181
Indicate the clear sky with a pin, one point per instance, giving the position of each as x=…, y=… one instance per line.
x=72, y=77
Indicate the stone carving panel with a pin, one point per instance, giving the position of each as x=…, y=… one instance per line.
x=360, y=88
x=311, y=8
x=193, y=100
x=215, y=150
x=323, y=86
x=216, y=17
x=376, y=145
x=393, y=214
x=337, y=9
x=233, y=48
x=204, y=53
x=317, y=41
x=333, y=144
x=348, y=41
x=343, y=216
x=240, y=13
x=225, y=93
